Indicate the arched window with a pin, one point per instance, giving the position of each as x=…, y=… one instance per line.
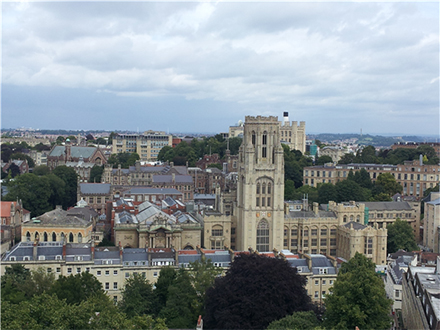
x=264, y=149
x=28, y=236
x=217, y=230
x=45, y=237
x=258, y=188
x=358, y=218
x=263, y=236
x=37, y=236
x=54, y=237
x=263, y=189
x=253, y=138
x=62, y=237
x=345, y=218
x=71, y=238
x=351, y=217
x=79, y=238
x=269, y=188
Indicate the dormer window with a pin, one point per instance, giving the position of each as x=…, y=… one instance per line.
x=41, y=258
x=12, y=258
x=58, y=257
x=26, y=258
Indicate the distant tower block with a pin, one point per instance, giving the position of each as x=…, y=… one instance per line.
x=293, y=135
x=260, y=188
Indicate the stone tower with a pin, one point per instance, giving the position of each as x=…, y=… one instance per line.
x=260, y=188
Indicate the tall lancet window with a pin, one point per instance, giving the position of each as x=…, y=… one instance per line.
x=263, y=236
x=264, y=149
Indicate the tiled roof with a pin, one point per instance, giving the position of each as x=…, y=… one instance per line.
x=59, y=217
x=75, y=152
x=356, y=225
x=153, y=191
x=95, y=188
x=6, y=208
x=388, y=206
x=169, y=179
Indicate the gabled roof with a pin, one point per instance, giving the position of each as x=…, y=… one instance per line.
x=388, y=206
x=95, y=188
x=169, y=179
x=6, y=208
x=75, y=152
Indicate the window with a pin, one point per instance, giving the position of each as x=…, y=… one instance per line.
x=306, y=232
x=294, y=242
x=257, y=203
x=54, y=237
x=127, y=275
x=323, y=270
x=115, y=285
x=98, y=273
x=306, y=243
x=316, y=294
x=294, y=232
x=107, y=273
x=155, y=274
x=323, y=294
x=107, y=285
x=217, y=231
x=323, y=241
x=314, y=232
x=88, y=269
x=78, y=270
x=333, y=231
x=263, y=201
x=71, y=238
x=330, y=282
x=69, y=270
x=323, y=282
x=115, y=272
x=316, y=282
x=324, y=232
x=79, y=238
x=263, y=236
x=332, y=241
x=314, y=241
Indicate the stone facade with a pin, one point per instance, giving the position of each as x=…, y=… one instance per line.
x=431, y=228
x=260, y=187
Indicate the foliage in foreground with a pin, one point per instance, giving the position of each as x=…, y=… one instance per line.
x=255, y=291
x=296, y=321
x=400, y=236
x=358, y=298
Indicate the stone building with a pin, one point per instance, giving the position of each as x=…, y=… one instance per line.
x=414, y=176
x=260, y=187
x=335, y=152
x=12, y=215
x=57, y=226
x=292, y=134
x=146, y=145
x=431, y=223
x=96, y=195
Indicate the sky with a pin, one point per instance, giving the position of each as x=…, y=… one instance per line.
x=341, y=67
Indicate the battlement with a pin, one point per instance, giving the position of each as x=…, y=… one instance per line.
x=261, y=119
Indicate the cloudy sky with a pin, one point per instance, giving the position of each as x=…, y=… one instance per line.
x=202, y=66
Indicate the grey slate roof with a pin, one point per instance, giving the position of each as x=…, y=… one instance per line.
x=134, y=254
x=95, y=188
x=153, y=191
x=299, y=263
x=204, y=196
x=187, y=258
x=434, y=202
x=356, y=225
x=310, y=214
x=387, y=206
x=75, y=152
x=59, y=217
x=83, y=212
x=169, y=179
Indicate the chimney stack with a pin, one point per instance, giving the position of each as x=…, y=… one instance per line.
x=34, y=249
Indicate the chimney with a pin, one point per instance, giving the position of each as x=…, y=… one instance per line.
x=64, y=249
x=315, y=208
x=172, y=164
x=120, y=252
x=34, y=249
x=92, y=249
x=173, y=175
x=421, y=160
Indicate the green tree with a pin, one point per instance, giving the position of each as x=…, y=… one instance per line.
x=296, y=321
x=96, y=173
x=34, y=191
x=289, y=190
x=41, y=170
x=13, y=283
x=429, y=152
x=368, y=156
x=180, y=311
x=166, y=154
x=323, y=160
x=78, y=288
x=21, y=156
x=57, y=190
x=347, y=159
x=137, y=296
x=358, y=298
x=349, y=190
x=327, y=192
x=60, y=139
x=70, y=178
x=363, y=179
x=386, y=183
x=166, y=278
x=400, y=236
x=255, y=291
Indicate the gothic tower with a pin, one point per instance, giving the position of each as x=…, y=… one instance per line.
x=260, y=189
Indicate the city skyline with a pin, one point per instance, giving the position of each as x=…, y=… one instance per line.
x=203, y=66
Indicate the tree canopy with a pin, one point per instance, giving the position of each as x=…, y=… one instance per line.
x=296, y=321
x=358, y=298
x=137, y=296
x=400, y=236
x=255, y=291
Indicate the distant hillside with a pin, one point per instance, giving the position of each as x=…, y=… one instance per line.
x=365, y=139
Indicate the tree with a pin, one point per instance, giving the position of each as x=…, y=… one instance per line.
x=180, y=311
x=12, y=284
x=400, y=236
x=323, y=160
x=96, y=173
x=255, y=291
x=57, y=190
x=327, y=192
x=386, y=183
x=137, y=296
x=289, y=190
x=349, y=190
x=70, y=178
x=21, y=156
x=78, y=288
x=347, y=159
x=358, y=298
x=14, y=170
x=60, y=139
x=34, y=191
x=363, y=179
x=89, y=137
x=166, y=278
x=41, y=170
x=296, y=321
